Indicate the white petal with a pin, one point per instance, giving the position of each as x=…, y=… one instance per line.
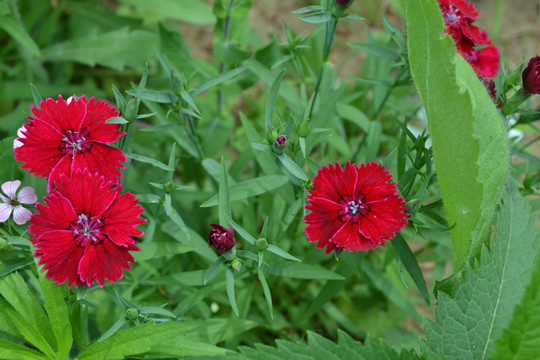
x=5, y=211
x=10, y=187
x=4, y=199
x=70, y=99
x=27, y=195
x=20, y=133
x=21, y=215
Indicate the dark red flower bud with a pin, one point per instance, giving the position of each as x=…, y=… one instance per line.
x=531, y=76
x=343, y=3
x=221, y=238
x=279, y=144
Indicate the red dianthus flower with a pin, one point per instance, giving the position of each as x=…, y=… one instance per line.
x=355, y=208
x=86, y=231
x=459, y=16
x=64, y=136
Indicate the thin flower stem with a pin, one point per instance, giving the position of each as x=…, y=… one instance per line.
x=388, y=93
x=329, y=33
x=222, y=65
x=193, y=136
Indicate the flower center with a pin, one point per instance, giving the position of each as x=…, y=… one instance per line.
x=352, y=207
x=451, y=16
x=74, y=141
x=87, y=229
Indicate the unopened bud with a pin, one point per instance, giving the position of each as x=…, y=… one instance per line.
x=261, y=244
x=304, y=129
x=531, y=76
x=3, y=243
x=344, y=3
x=221, y=238
x=132, y=313
x=131, y=110
x=169, y=187
x=236, y=264
x=279, y=144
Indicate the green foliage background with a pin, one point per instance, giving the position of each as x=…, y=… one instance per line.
x=199, y=144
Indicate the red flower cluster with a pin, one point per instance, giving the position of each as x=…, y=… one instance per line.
x=86, y=230
x=355, y=208
x=471, y=41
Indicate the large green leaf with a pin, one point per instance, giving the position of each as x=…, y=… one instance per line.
x=521, y=339
x=137, y=340
x=468, y=135
x=319, y=348
x=26, y=310
x=191, y=11
x=58, y=314
x=115, y=49
x=469, y=322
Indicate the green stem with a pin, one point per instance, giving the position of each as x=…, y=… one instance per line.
x=388, y=93
x=193, y=136
x=222, y=65
x=330, y=31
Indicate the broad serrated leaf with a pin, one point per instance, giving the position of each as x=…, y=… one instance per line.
x=468, y=136
x=136, y=340
x=468, y=323
x=320, y=348
x=115, y=49
x=521, y=338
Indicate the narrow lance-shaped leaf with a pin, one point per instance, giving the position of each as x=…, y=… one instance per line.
x=57, y=311
x=223, y=196
x=266, y=290
x=13, y=28
x=229, y=283
x=271, y=100
x=469, y=139
x=407, y=258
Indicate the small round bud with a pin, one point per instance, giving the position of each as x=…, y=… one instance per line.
x=221, y=238
x=261, y=244
x=169, y=187
x=131, y=110
x=236, y=264
x=304, y=129
x=279, y=144
x=132, y=313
